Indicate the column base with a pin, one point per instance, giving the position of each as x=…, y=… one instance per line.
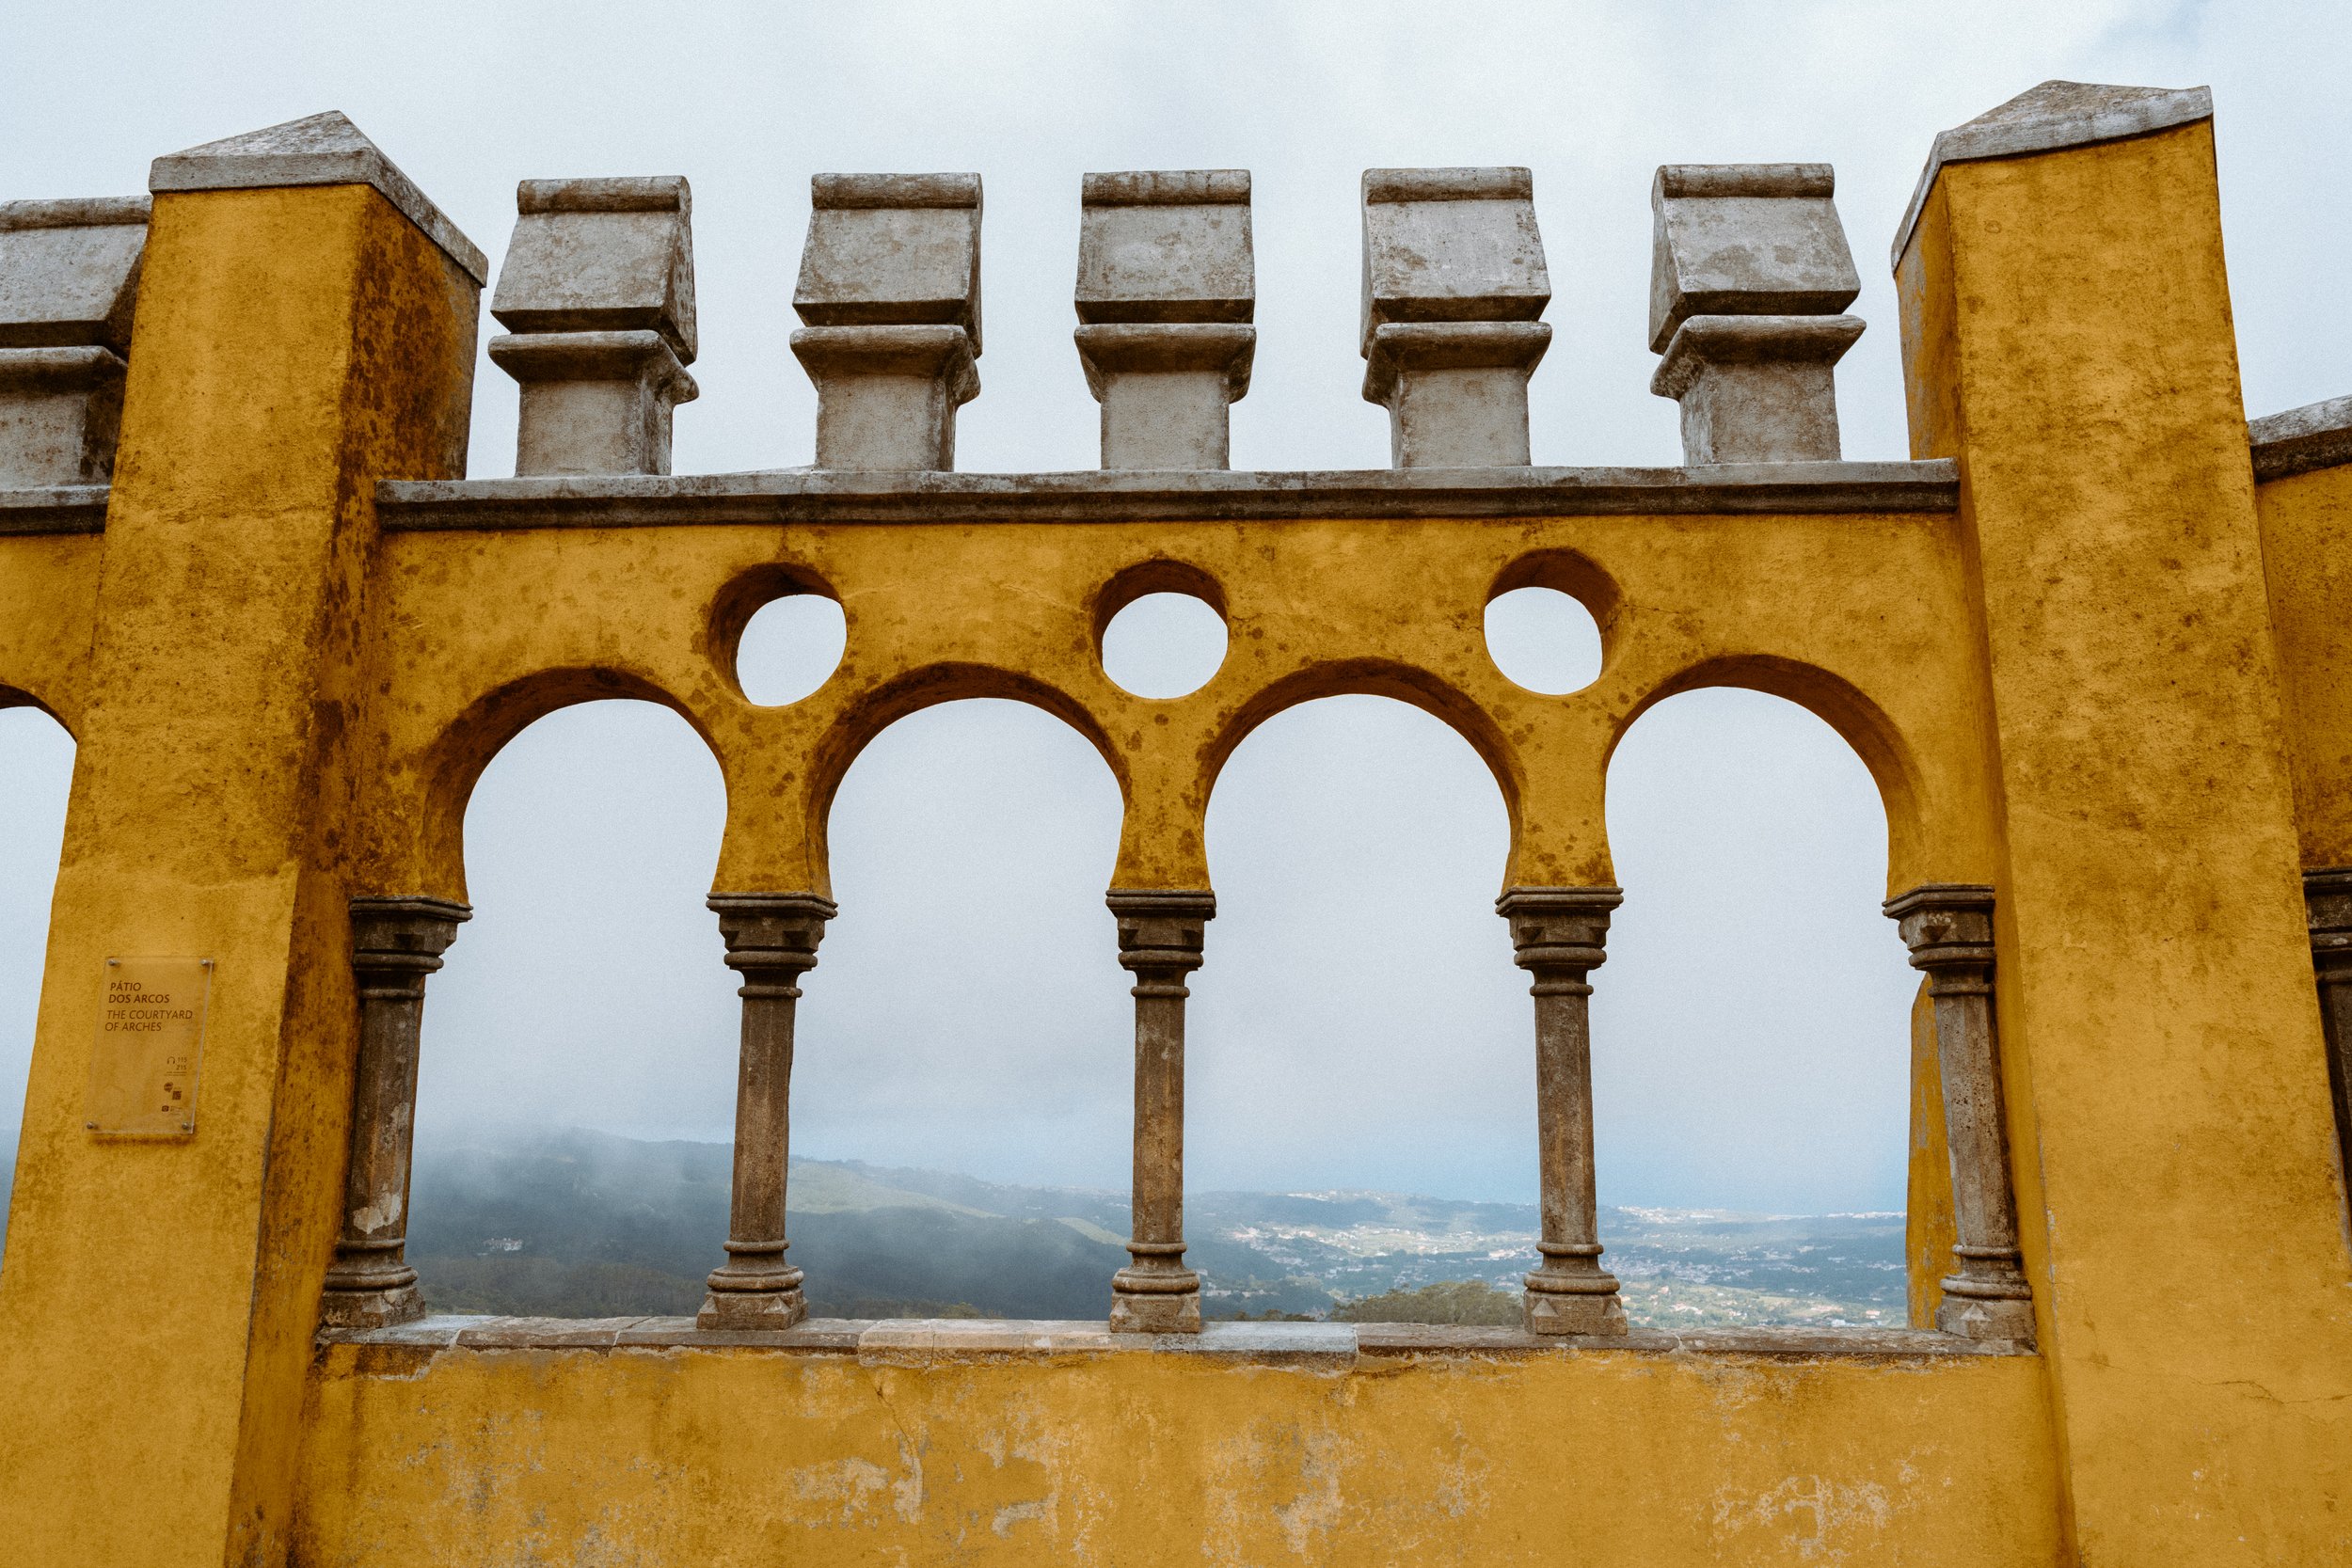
x=381, y=1306
x=1584, y=1305
x=1155, y=1302
x=738, y=1308
x=2006, y=1318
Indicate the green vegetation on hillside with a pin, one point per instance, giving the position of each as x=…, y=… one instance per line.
x=1448, y=1300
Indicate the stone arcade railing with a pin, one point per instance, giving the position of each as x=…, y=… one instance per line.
x=1751, y=267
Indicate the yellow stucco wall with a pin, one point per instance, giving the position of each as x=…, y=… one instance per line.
x=719, y=1457
x=1876, y=641
x=2071, y=347
x=158, y=1297
x=2107, y=686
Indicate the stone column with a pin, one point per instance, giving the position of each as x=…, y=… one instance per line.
x=1160, y=939
x=2328, y=897
x=1558, y=934
x=1948, y=928
x=772, y=941
x=395, y=944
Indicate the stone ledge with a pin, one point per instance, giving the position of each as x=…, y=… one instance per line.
x=840, y=496
x=915, y=1341
x=55, y=508
x=2301, y=440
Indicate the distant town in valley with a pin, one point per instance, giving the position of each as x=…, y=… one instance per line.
x=577, y=1224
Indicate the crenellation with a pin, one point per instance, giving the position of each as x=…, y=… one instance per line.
x=890, y=290
x=1749, y=275
x=1454, y=282
x=69, y=282
x=1743, y=240
x=1167, y=288
x=598, y=293
x=2089, y=646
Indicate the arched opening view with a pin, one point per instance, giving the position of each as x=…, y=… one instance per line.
x=36, y=770
x=575, y=1081
x=1543, y=639
x=1362, y=1138
x=790, y=647
x=961, y=1103
x=1164, y=644
x=1751, y=1065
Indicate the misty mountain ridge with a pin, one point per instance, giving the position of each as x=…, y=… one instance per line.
x=523, y=1221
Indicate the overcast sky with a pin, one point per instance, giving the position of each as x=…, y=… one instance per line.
x=1359, y=1023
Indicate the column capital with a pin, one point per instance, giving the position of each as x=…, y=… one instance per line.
x=1948, y=928
x=397, y=941
x=771, y=930
x=1559, y=927
x=1161, y=929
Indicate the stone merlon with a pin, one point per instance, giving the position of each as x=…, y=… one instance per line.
x=1166, y=286
x=69, y=281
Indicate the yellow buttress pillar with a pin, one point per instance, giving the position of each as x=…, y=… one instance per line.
x=305, y=325
x=2067, y=336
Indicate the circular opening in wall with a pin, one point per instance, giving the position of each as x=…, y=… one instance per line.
x=790, y=647
x=1164, y=644
x=1543, y=639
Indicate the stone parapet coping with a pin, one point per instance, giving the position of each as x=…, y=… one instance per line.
x=841, y=496
x=2048, y=119
x=319, y=149
x=1326, y=1345
x=2316, y=435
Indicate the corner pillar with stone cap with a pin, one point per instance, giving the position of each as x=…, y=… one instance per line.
x=1749, y=275
x=306, y=327
x=1454, y=282
x=1557, y=936
x=2068, y=342
x=396, y=945
x=69, y=280
x=890, y=288
x=597, y=295
x=1161, y=936
x=1949, y=930
x=771, y=942
x=1166, y=289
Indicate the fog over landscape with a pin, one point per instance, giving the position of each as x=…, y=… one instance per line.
x=1359, y=1027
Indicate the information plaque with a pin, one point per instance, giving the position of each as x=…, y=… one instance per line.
x=151, y=1041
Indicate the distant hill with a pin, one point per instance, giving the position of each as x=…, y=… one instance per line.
x=576, y=1224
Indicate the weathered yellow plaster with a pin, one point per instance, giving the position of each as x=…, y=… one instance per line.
x=746, y=1456
x=2159, y=1026
x=1875, y=641
x=159, y=1295
x=2305, y=522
